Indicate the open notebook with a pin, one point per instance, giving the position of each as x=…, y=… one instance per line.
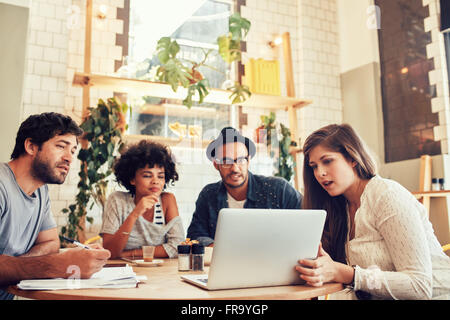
x=108, y=277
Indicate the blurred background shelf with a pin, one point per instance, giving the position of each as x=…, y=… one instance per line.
x=177, y=110
x=163, y=90
x=432, y=193
x=180, y=142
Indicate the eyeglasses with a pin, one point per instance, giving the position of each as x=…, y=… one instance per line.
x=228, y=163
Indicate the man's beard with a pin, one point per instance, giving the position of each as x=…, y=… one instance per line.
x=43, y=171
x=232, y=185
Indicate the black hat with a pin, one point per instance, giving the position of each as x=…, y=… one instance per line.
x=229, y=135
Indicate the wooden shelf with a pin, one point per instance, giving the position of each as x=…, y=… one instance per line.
x=172, y=142
x=432, y=193
x=178, y=111
x=162, y=90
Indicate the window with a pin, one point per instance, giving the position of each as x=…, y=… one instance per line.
x=447, y=50
x=406, y=90
x=195, y=24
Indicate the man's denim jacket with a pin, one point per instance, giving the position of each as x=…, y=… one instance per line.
x=263, y=192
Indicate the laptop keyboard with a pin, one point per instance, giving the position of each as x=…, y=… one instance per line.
x=204, y=280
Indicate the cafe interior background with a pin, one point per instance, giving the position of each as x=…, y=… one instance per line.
x=379, y=65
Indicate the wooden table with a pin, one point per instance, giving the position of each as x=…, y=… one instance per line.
x=164, y=283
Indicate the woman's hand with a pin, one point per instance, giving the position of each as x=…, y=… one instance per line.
x=318, y=271
x=146, y=203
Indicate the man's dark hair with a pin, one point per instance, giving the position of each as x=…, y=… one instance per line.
x=137, y=156
x=41, y=128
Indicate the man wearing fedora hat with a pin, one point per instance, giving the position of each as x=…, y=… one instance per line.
x=230, y=154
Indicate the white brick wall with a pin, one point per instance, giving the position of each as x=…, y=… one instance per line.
x=438, y=76
x=45, y=85
x=55, y=51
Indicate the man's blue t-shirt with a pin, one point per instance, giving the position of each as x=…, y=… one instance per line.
x=22, y=217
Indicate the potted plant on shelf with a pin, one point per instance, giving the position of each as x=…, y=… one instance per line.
x=186, y=73
x=103, y=129
x=279, y=149
x=263, y=133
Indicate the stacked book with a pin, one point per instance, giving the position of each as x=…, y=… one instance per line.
x=108, y=277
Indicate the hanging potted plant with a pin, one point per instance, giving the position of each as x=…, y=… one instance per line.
x=279, y=149
x=103, y=130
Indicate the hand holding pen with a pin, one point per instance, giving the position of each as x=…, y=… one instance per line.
x=78, y=244
x=87, y=261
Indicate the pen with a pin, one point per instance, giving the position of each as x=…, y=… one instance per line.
x=92, y=239
x=76, y=243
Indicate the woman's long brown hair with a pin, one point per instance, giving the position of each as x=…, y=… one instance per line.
x=342, y=139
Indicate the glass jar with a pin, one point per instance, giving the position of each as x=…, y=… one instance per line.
x=184, y=257
x=441, y=184
x=198, y=252
x=435, y=184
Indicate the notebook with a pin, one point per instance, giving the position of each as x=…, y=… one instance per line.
x=112, y=277
x=260, y=247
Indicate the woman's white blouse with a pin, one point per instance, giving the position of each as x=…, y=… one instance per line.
x=395, y=249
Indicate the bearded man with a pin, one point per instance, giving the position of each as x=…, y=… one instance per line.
x=29, y=244
x=231, y=153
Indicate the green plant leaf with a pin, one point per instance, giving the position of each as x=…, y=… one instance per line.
x=238, y=26
x=239, y=93
x=174, y=74
x=224, y=47
x=164, y=49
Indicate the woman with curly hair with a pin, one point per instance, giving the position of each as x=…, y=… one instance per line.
x=145, y=215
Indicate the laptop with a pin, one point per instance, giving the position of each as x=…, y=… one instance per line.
x=260, y=247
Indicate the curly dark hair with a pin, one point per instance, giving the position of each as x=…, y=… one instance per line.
x=137, y=156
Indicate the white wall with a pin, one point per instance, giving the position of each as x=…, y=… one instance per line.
x=13, y=37
x=357, y=38
x=360, y=73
